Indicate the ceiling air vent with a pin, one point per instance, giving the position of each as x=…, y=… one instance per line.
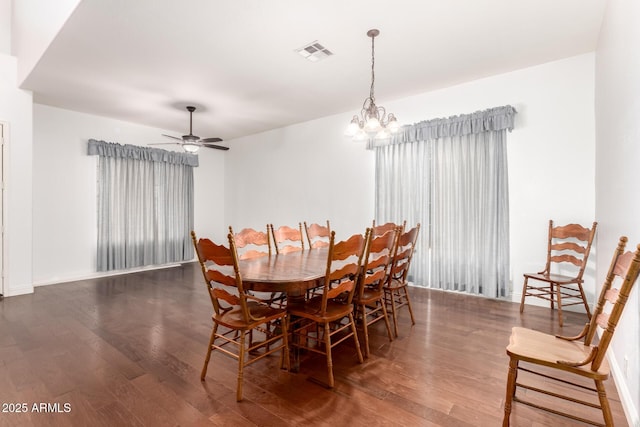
x=314, y=51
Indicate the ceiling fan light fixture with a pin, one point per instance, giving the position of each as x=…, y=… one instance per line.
x=373, y=120
x=190, y=147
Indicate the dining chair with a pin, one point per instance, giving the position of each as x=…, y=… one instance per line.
x=317, y=235
x=236, y=313
x=369, y=297
x=571, y=357
x=287, y=239
x=379, y=230
x=568, y=248
x=325, y=313
x=251, y=243
x=396, y=290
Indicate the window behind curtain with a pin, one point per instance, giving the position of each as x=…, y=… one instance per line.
x=451, y=176
x=145, y=205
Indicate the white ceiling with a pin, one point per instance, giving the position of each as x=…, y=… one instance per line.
x=143, y=61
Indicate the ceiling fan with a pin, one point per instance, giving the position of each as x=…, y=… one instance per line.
x=192, y=143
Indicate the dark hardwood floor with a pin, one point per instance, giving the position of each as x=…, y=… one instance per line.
x=128, y=350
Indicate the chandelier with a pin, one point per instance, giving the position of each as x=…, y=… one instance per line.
x=373, y=120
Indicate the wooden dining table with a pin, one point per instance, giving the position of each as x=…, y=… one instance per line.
x=292, y=273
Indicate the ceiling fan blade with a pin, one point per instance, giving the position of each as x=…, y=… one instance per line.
x=166, y=143
x=217, y=147
x=211, y=140
x=172, y=137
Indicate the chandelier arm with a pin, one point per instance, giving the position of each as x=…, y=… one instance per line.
x=382, y=116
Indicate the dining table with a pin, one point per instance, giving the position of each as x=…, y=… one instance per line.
x=292, y=273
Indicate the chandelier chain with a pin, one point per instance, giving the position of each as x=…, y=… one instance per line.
x=373, y=73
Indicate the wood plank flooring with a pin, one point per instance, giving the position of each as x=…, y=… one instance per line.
x=127, y=351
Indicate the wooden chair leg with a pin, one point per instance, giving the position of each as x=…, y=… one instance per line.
x=551, y=294
x=365, y=329
x=511, y=391
x=394, y=313
x=406, y=296
x=386, y=320
x=524, y=293
x=203, y=374
x=285, y=343
x=559, y=300
x=584, y=301
x=355, y=337
x=240, y=366
x=327, y=344
x=604, y=402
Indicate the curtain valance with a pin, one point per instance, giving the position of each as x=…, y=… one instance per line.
x=492, y=119
x=113, y=149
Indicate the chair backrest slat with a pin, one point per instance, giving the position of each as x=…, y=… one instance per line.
x=379, y=230
x=317, y=235
x=575, y=231
x=568, y=246
x=287, y=239
x=566, y=258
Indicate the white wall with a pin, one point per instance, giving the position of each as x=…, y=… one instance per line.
x=15, y=111
x=311, y=172
x=64, y=189
x=306, y=172
x=5, y=27
x=618, y=154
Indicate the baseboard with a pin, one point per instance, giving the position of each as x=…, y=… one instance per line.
x=58, y=280
x=630, y=410
x=20, y=290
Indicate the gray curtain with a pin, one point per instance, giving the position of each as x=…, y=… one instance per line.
x=145, y=205
x=451, y=176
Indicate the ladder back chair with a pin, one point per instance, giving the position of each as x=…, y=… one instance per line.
x=324, y=313
x=567, y=246
x=369, y=299
x=396, y=290
x=237, y=314
x=317, y=235
x=574, y=356
x=287, y=239
x=251, y=243
x=379, y=230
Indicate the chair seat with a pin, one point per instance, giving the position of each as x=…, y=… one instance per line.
x=544, y=349
x=311, y=310
x=395, y=284
x=233, y=319
x=370, y=296
x=555, y=278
